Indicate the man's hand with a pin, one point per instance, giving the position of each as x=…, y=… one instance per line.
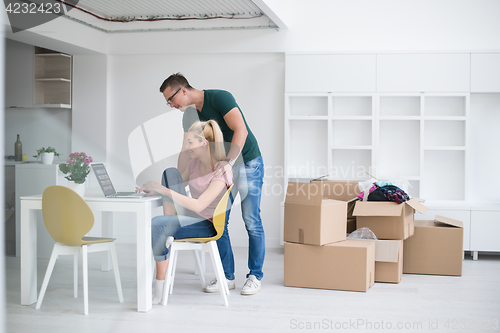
x=222, y=168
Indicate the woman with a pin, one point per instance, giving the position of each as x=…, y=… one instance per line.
x=194, y=214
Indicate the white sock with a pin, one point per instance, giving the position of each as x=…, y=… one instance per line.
x=169, y=241
x=158, y=295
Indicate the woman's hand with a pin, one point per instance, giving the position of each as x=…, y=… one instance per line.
x=152, y=189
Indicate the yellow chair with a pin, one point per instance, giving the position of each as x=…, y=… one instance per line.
x=220, y=218
x=68, y=218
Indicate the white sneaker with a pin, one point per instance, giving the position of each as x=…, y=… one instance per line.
x=252, y=286
x=214, y=288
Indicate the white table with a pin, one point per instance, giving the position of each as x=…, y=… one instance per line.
x=143, y=208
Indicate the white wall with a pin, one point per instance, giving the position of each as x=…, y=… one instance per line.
x=256, y=81
x=89, y=108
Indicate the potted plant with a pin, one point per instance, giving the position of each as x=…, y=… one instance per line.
x=77, y=168
x=47, y=154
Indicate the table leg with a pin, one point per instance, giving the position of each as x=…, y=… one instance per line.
x=107, y=231
x=28, y=254
x=144, y=273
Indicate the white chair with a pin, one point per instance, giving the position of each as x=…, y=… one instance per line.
x=221, y=215
x=68, y=218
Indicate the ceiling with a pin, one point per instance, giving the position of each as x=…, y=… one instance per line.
x=114, y=16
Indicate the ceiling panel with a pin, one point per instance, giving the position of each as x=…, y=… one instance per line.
x=141, y=15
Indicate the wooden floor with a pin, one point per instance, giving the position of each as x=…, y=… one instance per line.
x=418, y=304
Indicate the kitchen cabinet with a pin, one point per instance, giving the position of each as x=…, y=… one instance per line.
x=18, y=74
x=53, y=80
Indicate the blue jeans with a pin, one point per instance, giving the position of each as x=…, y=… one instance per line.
x=248, y=181
x=170, y=225
x=187, y=225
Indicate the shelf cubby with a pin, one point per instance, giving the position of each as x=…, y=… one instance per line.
x=445, y=106
x=52, y=86
x=309, y=155
x=444, y=175
x=444, y=133
x=399, y=145
x=351, y=106
x=399, y=106
x=352, y=132
x=351, y=164
x=308, y=106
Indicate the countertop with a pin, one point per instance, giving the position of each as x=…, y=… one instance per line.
x=30, y=164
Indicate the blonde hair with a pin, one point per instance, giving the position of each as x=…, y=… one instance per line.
x=210, y=131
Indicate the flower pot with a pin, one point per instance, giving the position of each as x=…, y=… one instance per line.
x=78, y=188
x=47, y=158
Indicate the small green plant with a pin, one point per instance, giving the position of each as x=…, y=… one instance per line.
x=42, y=150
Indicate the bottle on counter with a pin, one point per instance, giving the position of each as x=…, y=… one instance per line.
x=18, y=149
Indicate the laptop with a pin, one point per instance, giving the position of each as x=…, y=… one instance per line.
x=107, y=186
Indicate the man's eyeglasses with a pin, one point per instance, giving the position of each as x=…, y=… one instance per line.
x=169, y=101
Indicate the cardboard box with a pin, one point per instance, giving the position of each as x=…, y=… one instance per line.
x=351, y=225
x=388, y=260
x=388, y=220
x=311, y=217
x=343, y=190
x=346, y=265
x=435, y=248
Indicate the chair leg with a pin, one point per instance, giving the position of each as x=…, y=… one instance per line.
x=219, y=272
x=199, y=266
x=85, y=281
x=75, y=275
x=168, y=276
x=114, y=260
x=173, y=262
x=48, y=273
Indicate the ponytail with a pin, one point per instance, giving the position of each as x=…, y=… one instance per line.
x=210, y=131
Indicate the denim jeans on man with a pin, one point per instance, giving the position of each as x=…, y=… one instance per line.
x=187, y=224
x=248, y=181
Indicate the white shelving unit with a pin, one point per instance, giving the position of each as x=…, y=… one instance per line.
x=422, y=137
x=52, y=80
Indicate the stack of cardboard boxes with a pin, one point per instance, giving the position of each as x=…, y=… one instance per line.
x=319, y=214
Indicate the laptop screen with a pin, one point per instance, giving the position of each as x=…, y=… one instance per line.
x=103, y=178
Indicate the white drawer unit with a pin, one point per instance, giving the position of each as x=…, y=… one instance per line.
x=485, y=229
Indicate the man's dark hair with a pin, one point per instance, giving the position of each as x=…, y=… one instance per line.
x=175, y=81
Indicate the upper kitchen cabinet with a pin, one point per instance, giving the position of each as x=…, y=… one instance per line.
x=423, y=72
x=313, y=73
x=485, y=72
x=52, y=79
x=18, y=74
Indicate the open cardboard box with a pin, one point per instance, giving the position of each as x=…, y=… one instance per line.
x=313, y=216
x=343, y=190
x=387, y=219
x=435, y=248
x=346, y=265
x=388, y=260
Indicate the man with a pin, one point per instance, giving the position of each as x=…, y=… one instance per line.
x=248, y=175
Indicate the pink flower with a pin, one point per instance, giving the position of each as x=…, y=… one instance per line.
x=71, y=162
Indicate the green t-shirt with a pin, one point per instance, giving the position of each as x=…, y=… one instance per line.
x=216, y=104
